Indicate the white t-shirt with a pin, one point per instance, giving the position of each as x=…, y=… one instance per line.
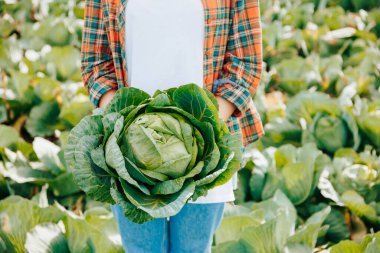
x=164, y=48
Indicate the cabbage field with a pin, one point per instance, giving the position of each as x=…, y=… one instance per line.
x=311, y=184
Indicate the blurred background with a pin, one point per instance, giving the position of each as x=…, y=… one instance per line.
x=311, y=184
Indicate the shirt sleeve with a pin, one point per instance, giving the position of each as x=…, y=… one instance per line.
x=240, y=74
x=97, y=66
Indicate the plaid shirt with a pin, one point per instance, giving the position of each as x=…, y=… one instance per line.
x=232, y=62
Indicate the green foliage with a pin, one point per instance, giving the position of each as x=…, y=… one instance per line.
x=294, y=171
x=320, y=85
x=269, y=227
x=49, y=229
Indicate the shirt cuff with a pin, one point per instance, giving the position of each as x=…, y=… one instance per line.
x=234, y=93
x=97, y=90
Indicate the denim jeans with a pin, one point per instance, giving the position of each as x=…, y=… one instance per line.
x=190, y=230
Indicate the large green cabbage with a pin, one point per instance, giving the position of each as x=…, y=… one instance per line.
x=152, y=154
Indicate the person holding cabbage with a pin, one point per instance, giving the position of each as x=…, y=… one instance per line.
x=157, y=45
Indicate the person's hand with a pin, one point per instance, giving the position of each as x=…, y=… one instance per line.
x=226, y=108
x=106, y=98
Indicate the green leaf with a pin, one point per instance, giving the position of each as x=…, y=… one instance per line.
x=115, y=159
x=347, y=247
x=212, y=97
x=186, y=132
x=354, y=129
x=14, y=232
x=88, y=176
x=302, y=74
x=137, y=174
x=338, y=229
x=64, y=185
x=47, y=152
x=97, y=156
x=373, y=243
x=20, y=170
x=296, y=171
x=89, y=235
x=194, y=100
x=46, y=88
x=8, y=135
x=232, y=227
x=57, y=33
x=89, y=125
x=66, y=62
x=175, y=185
x=242, y=191
x=281, y=131
x=369, y=123
x=306, y=105
x=297, y=181
x=109, y=121
x=74, y=110
x=263, y=238
x=125, y=97
x=131, y=211
x=356, y=204
x=47, y=238
x=43, y=119
x=232, y=246
x=259, y=167
x=330, y=132
x=306, y=236
x=159, y=100
x=270, y=236
x=154, y=174
x=159, y=206
x=232, y=143
x=210, y=178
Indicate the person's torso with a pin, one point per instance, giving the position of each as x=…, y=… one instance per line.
x=217, y=22
x=164, y=43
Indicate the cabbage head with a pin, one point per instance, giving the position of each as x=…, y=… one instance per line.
x=332, y=132
x=151, y=155
x=325, y=122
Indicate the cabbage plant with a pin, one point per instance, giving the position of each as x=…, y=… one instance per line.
x=295, y=171
x=332, y=132
x=325, y=122
x=152, y=154
x=369, y=119
x=269, y=226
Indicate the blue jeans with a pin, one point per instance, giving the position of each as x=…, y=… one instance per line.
x=190, y=230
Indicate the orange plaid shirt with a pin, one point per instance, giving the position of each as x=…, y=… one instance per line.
x=232, y=62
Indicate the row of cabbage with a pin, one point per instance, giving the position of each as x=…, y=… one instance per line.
x=41, y=99
x=312, y=183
